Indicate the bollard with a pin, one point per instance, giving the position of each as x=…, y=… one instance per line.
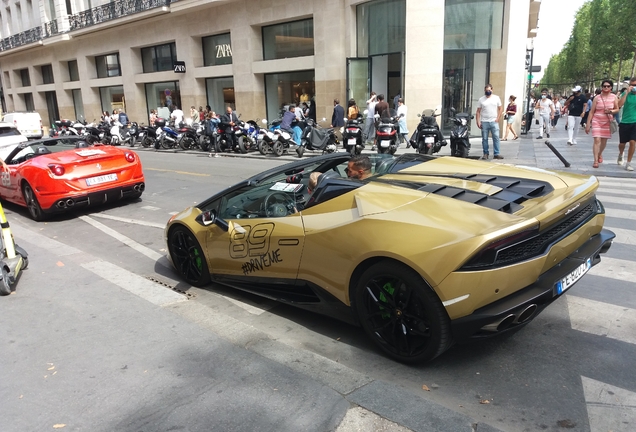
x=556, y=152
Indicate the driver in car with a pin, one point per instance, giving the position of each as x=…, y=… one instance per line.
x=359, y=167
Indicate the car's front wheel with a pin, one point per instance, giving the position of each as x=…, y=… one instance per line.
x=32, y=203
x=401, y=313
x=188, y=257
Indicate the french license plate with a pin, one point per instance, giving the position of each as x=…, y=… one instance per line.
x=101, y=179
x=575, y=275
x=385, y=143
x=351, y=141
x=428, y=140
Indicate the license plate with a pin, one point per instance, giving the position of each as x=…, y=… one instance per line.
x=385, y=143
x=575, y=275
x=101, y=179
x=351, y=141
x=430, y=140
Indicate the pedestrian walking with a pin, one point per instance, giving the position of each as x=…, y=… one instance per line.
x=545, y=110
x=557, y=111
x=575, y=105
x=509, y=117
x=489, y=110
x=337, y=118
x=627, y=127
x=604, y=106
x=402, y=111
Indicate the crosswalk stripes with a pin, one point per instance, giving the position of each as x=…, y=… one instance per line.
x=610, y=408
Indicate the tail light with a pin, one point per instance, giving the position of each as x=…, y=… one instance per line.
x=130, y=157
x=352, y=130
x=57, y=169
x=487, y=257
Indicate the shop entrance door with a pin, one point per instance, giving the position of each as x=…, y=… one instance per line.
x=465, y=75
x=387, y=75
x=358, y=81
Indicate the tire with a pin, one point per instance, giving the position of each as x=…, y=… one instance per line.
x=166, y=144
x=463, y=151
x=147, y=142
x=5, y=288
x=241, y=145
x=453, y=149
x=391, y=298
x=204, y=143
x=352, y=150
x=300, y=150
x=188, y=256
x=262, y=149
x=277, y=148
x=429, y=150
x=186, y=142
x=35, y=211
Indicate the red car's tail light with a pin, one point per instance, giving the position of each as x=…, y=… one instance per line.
x=56, y=169
x=130, y=157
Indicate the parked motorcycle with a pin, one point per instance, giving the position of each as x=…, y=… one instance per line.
x=352, y=136
x=119, y=134
x=168, y=137
x=248, y=136
x=227, y=139
x=133, y=133
x=386, y=132
x=428, y=139
x=188, y=137
x=147, y=136
x=459, y=136
x=315, y=138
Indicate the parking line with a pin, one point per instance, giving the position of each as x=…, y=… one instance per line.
x=177, y=172
x=127, y=220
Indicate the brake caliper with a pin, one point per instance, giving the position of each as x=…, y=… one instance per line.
x=388, y=287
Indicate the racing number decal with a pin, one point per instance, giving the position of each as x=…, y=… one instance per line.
x=250, y=241
x=5, y=176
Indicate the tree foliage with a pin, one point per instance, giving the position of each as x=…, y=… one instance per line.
x=602, y=45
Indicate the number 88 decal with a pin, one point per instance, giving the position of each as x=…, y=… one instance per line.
x=248, y=241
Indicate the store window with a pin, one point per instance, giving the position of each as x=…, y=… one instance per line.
x=388, y=15
x=220, y=93
x=217, y=50
x=51, y=106
x=47, y=74
x=73, y=71
x=25, y=77
x=163, y=97
x=112, y=98
x=28, y=102
x=283, y=89
x=159, y=57
x=292, y=39
x=108, y=65
x=78, y=104
x=473, y=25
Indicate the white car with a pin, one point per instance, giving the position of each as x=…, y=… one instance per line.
x=28, y=123
x=10, y=137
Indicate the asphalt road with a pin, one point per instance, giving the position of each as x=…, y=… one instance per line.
x=93, y=342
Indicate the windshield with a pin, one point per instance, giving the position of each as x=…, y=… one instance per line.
x=8, y=131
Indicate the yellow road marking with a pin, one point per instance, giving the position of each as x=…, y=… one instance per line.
x=177, y=172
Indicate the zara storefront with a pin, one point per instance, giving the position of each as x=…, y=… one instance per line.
x=260, y=57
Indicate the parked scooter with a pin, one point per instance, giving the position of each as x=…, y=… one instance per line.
x=315, y=138
x=459, y=136
x=428, y=139
x=133, y=133
x=248, y=136
x=267, y=140
x=352, y=136
x=168, y=137
x=188, y=137
x=147, y=136
x=118, y=134
x=386, y=132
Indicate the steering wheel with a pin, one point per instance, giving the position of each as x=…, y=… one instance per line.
x=281, y=207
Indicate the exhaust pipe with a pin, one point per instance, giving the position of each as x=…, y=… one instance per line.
x=61, y=204
x=70, y=203
x=500, y=325
x=139, y=187
x=526, y=314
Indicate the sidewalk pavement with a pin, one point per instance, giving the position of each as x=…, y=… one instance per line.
x=527, y=150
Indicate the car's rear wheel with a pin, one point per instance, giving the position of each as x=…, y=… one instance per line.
x=188, y=257
x=401, y=313
x=35, y=211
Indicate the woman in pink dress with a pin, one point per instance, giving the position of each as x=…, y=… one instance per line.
x=604, y=106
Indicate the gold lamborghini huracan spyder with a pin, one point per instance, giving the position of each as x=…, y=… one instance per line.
x=425, y=252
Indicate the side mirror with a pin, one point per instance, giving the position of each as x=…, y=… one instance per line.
x=264, y=121
x=209, y=217
x=438, y=108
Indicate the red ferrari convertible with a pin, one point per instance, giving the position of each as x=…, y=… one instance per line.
x=54, y=175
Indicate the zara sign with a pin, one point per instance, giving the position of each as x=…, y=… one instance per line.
x=179, y=67
x=223, y=50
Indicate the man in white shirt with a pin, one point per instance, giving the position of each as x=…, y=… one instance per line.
x=545, y=110
x=177, y=115
x=369, y=126
x=489, y=110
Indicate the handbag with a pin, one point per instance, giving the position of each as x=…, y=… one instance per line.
x=613, y=126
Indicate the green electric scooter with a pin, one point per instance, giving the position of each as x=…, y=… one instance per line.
x=13, y=259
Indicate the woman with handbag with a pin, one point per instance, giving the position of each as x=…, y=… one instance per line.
x=509, y=118
x=604, y=106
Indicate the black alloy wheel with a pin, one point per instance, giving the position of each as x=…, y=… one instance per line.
x=186, y=142
x=147, y=142
x=243, y=145
x=262, y=147
x=188, y=257
x=35, y=211
x=277, y=148
x=401, y=313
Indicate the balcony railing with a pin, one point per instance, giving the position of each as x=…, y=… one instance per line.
x=110, y=11
x=113, y=10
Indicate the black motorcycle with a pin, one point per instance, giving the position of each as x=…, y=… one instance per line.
x=315, y=138
x=386, y=132
x=188, y=136
x=428, y=139
x=133, y=133
x=352, y=136
x=459, y=136
x=227, y=139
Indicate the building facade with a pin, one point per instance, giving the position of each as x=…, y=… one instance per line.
x=72, y=58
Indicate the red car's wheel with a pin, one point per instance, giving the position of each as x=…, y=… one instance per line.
x=32, y=203
x=402, y=315
x=188, y=257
